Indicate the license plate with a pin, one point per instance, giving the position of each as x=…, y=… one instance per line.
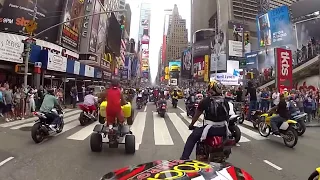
x=163, y=107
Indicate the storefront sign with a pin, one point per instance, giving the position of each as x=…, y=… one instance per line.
x=56, y=62
x=88, y=57
x=11, y=48
x=89, y=71
x=226, y=79
x=284, y=69
x=88, y=8
x=76, y=68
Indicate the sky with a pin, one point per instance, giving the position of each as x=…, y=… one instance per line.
x=156, y=25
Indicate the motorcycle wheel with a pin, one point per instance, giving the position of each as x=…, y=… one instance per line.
x=59, y=130
x=241, y=120
x=255, y=123
x=36, y=133
x=261, y=127
x=293, y=137
x=301, y=128
x=162, y=114
x=236, y=133
x=96, y=142
x=82, y=119
x=314, y=175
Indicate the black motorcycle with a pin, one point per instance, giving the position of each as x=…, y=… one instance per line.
x=233, y=127
x=191, y=110
x=41, y=129
x=139, y=103
x=162, y=109
x=174, y=102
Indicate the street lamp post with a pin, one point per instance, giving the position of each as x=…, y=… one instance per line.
x=28, y=43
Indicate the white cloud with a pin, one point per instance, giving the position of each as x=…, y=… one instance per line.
x=156, y=23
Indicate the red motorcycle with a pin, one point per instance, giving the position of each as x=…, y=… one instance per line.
x=88, y=114
x=254, y=116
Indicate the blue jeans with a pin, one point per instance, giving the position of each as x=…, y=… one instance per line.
x=195, y=137
x=252, y=106
x=54, y=118
x=275, y=122
x=264, y=105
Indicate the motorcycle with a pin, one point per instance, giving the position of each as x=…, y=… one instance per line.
x=41, y=129
x=139, y=103
x=233, y=127
x=85, y=116
x=151, y=98
x=315, y=174
x=288, y=130
x=192, y=110
x=301, y=119
x=162, y=108
x=175, y=102
x=244, y=112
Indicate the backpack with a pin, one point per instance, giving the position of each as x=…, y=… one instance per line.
x=219, y=109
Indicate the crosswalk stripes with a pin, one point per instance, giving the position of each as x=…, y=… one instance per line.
x=161, y=136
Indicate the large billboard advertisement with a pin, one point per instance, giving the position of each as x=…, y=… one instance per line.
x=198, y=68
x=102, y=32
x=175, y=65
x=252, y=60
x=274, y=28
x=15, y=14
x=95, y=28
x=284, y=69
x=71, y=30
x=307, y=30
x=186, y=63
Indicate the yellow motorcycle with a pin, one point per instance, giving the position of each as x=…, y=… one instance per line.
x=315, y=175
x=288, y=130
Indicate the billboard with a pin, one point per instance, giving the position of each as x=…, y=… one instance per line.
x=307, y=30
x=166, y=70
x=274, y=27
x=145, y=39
x=102, y=32
x=95, y=27
x=284, y=69
x=71, y=30
x=252, y=60
x=186, y=63
x=15, y=14
x=174, y=66
x=198, y=68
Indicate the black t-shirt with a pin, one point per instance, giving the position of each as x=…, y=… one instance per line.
x=239, y=96
x=222, y=114
x=282, y=110
x=253, y=93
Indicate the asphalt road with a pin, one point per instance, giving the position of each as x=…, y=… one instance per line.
x=68, y=155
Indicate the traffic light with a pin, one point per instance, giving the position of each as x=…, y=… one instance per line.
x=122, y=22
x=246, y=38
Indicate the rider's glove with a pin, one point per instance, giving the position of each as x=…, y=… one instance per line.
x=191, y=127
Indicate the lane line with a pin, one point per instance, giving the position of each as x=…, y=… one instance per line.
x=272, y=165
x=180, y=126
x=248, y=123
x=70, y=118
x=83, y=133
x=25, y=120
x=182, y=109
x=243, y=139
x=251, y=133
x=145, y=108
x=6, y=160
x=68, y=126
x=161, y=132
x=138, y=126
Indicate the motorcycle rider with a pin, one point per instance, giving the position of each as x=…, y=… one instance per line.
x=175, y=96
x=145, y=95
x=282, y=115
x=216, y=112
x=190, y=100
x=90, y=101
x=50, y=102
x=115, y=99
x=139, y=96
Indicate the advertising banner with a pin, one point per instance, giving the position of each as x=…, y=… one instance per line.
x=232, y=66
x=95, y=27
x=145, y=53
x=201, y=48
x=11, y=48
x=175, y=66
x=186, y=63
x=56, y=62
x=218, y=62
x=145, y=39
x=307, y=30
x=15, y=14
x=76, y=67
x=235, y=48
x=274, y=28
x=198, y=68
x=89, y=71
x=166, y=71
x=206, y=68
x=252, y=60
x=284, y=69
x=71, y=30
x=227, y=79
x=102, y=32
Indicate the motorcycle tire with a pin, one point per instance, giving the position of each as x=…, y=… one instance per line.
x=241, y=120
x=314, y=175
x=301, y=128
x=96, y=142
x=162, y=114
x=295, y=134
x=236, y=133
x=36, y=133
x=82, y=119
x=59, y=130
x=260, y=129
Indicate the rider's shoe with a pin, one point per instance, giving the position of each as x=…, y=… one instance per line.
x=53, y=127
x=277, y=134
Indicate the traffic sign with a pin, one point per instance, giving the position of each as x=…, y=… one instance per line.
x=31, y=27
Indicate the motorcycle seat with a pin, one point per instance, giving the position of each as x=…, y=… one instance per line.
x=40, y=115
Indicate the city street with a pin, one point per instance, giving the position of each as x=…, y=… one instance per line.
x=67, y=156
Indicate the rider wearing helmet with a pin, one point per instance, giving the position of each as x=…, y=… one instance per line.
x=216, y=113
x=90, y=101
x=115, y=99
x=282, y=115
x=50, y=102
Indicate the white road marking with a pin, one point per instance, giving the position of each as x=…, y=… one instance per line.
x=244, y=139
x=138, y=126
x=182, y=109
x=68, y=126
x=180, y=126
x=71, y=118
x=83, y=133
x=251, y=133
x=247, y=123
x=161, y=132
x=145, y=108
x=5, y=161
x=25, y=120
x=272, y=165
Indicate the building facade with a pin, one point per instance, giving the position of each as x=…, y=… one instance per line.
x=128, y=18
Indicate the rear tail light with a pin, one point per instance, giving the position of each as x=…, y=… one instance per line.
x=35, y=113
x=196, y=105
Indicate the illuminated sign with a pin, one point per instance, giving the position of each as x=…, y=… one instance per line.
x=85, y=23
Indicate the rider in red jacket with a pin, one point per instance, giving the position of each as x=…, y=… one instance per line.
x=115, y=99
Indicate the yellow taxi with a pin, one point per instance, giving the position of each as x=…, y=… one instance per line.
x=174, y=67
x=180, y=93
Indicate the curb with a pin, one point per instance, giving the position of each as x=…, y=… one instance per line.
x=312, y=125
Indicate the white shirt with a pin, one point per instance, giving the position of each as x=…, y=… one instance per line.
x=140, y=95
x=276, y=98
